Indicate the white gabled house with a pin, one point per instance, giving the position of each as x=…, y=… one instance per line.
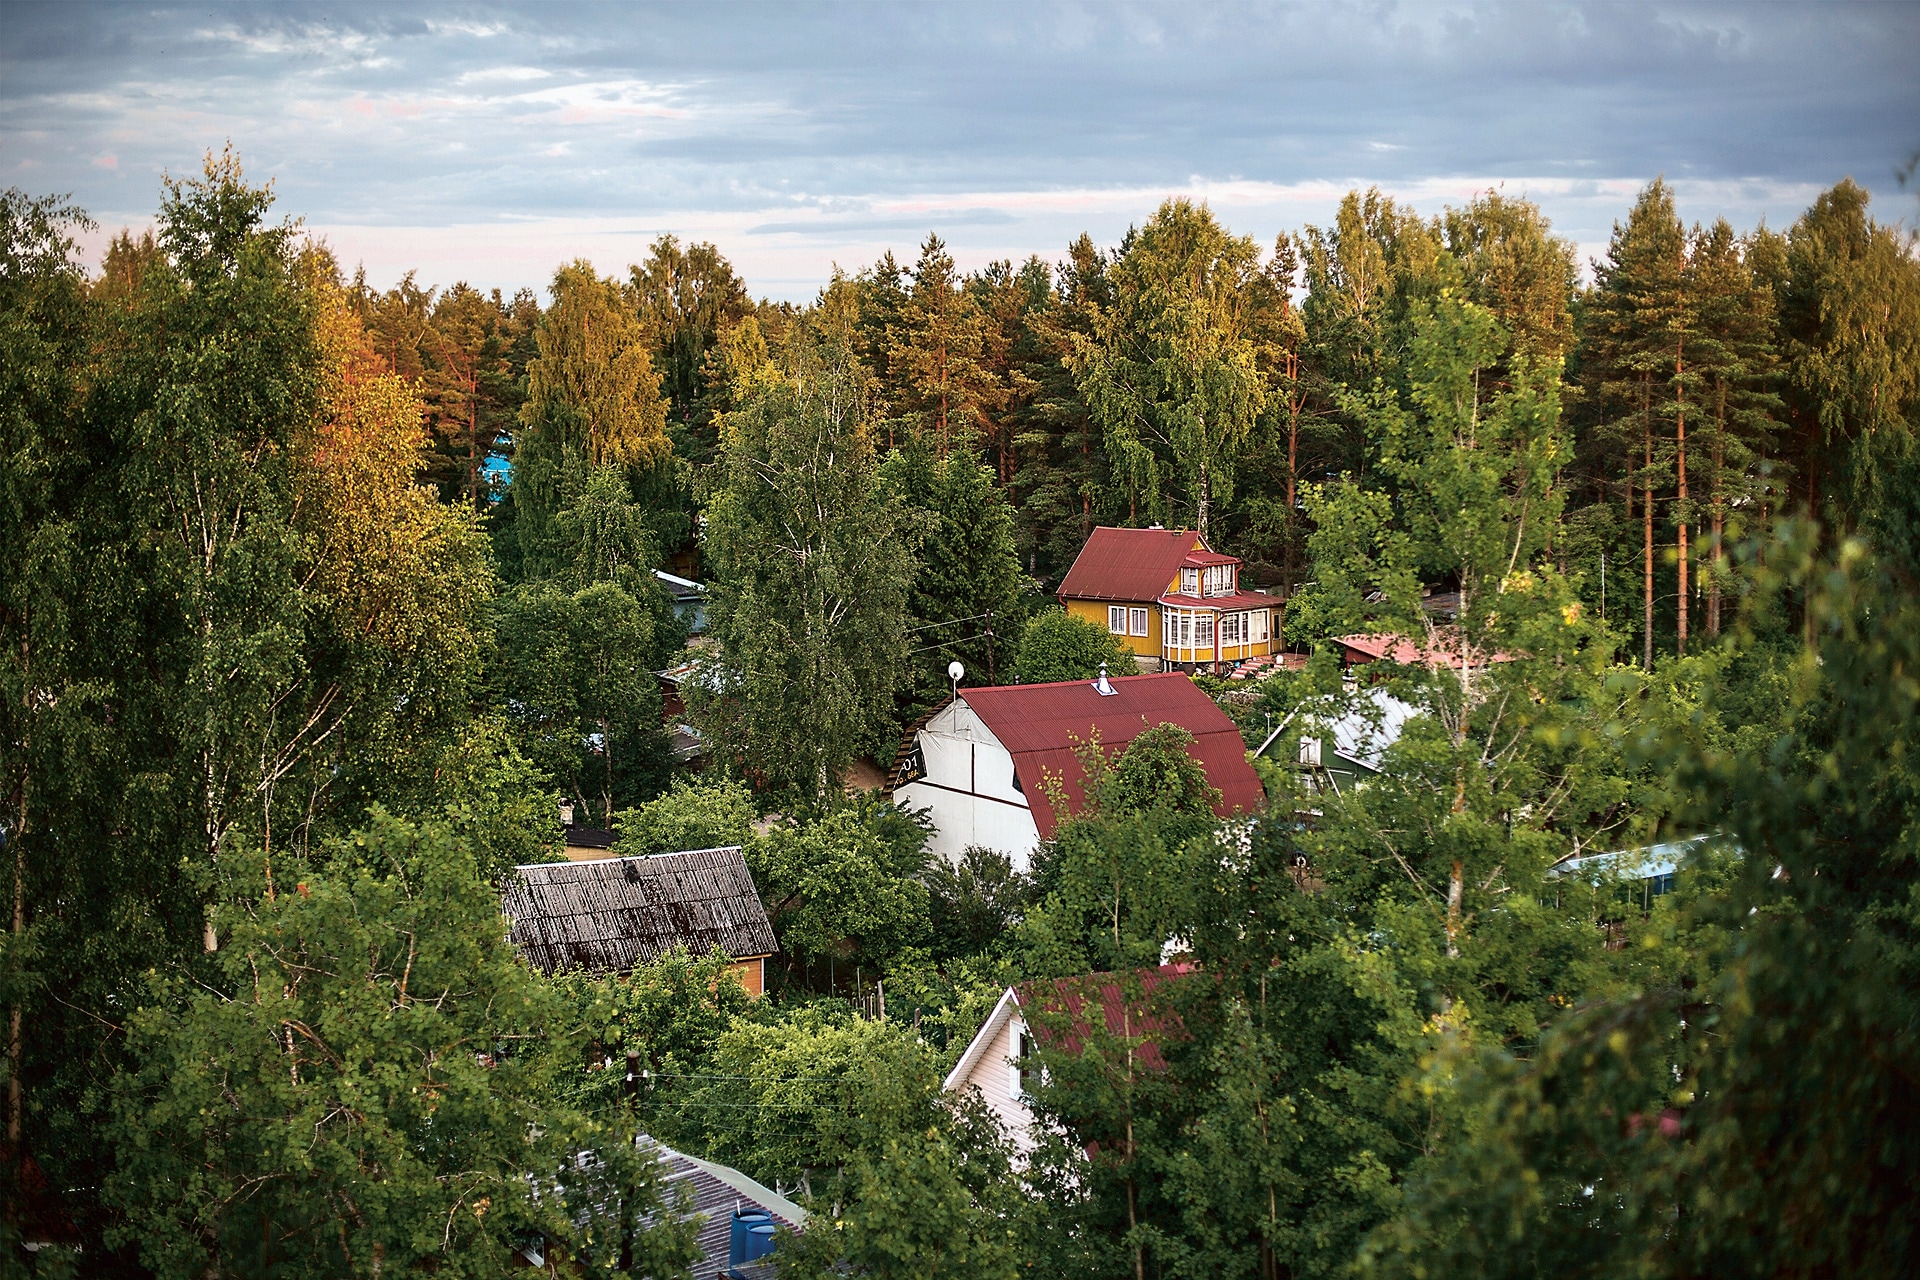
x=990, y=1066
x=982, y=765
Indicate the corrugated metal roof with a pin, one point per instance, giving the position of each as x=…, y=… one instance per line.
x=1040, y=725
x=714, y=1191
x=610, y=915
x=1128, y=564
x=1144, y=1017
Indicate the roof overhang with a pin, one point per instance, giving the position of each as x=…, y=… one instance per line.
x=1003, y=1013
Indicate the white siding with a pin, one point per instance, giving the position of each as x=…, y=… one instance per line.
x=991, y=1073
x=969, y=790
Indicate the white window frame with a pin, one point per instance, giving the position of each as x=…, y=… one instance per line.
x=1257, y=625
x=1203, y=631
x=1137, y=622
x=1019, y=1044
x=1189, y=582
x=1117, y=619
x=1230, y=628
x=1220, y=580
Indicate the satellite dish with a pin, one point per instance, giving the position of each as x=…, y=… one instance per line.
x=955, y=671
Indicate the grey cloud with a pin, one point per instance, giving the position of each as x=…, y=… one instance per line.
x=413, y=116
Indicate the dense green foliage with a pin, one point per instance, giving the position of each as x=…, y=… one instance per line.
x=1059, y=646
x=314, y=601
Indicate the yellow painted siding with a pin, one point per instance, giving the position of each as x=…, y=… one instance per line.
x=1095, y=611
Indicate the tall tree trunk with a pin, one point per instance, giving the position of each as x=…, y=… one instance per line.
x=1206, y=500
x=1646, y=431
x=14, y=1047
x=1680, y=455
x=1718, y=550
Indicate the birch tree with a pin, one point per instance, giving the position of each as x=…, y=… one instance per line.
x=811, y=563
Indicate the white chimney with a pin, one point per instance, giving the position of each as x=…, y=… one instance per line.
x=1103, y=686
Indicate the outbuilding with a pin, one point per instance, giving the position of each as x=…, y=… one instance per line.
x=612, y=915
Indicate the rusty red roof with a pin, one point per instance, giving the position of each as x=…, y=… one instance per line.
x=1202, y=559
x=1143, y=1017
x=1041, y=724
x=1394, y=648
x=1128, y=564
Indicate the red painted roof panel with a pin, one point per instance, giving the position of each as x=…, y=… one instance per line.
x=1127, y=564
x=1041, y=724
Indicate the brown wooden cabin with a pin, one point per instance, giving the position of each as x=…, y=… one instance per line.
x=612, y=915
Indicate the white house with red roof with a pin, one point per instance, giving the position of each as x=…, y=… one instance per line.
x=1170, y=599
x=980, y=764
x=1132, y=1008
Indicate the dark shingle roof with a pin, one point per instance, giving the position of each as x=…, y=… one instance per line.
x=612, y=914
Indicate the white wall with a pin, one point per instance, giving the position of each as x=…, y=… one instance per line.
x=969, y=790
x=992, y=1074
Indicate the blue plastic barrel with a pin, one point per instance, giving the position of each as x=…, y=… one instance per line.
x=759, y=1241
x=744, y=1220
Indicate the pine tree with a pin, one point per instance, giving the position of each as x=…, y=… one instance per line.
x=1637, y=325
x=1735, y=368
x=686, y=298
x=935, y=364
x=1063, y=479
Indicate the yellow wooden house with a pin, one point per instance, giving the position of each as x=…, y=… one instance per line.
x=1170, y=599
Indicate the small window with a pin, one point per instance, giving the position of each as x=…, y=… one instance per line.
x=1020, y=1041
x=1203, y=631
x=1137, y=622
x=1117, y=619
x=1189, y=582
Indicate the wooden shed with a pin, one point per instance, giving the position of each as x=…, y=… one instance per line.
x=611, y=915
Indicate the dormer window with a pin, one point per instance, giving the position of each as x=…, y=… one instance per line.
x=1220, y=580
x=1189, y=582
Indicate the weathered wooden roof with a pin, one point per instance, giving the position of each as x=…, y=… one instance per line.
x=613, y=914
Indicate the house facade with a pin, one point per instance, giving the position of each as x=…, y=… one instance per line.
x=983, y=764
x=1171, y=601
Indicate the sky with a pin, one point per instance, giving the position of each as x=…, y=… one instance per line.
x=491, y=143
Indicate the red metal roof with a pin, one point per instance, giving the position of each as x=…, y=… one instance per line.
x=1128, y=564
x=1143, y=1018
x=1393, y=648
x=1202, y=559
x=1041, y=724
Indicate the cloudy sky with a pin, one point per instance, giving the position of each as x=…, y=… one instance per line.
x=491, y=142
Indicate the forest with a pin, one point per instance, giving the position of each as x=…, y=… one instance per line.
x=317, y=598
